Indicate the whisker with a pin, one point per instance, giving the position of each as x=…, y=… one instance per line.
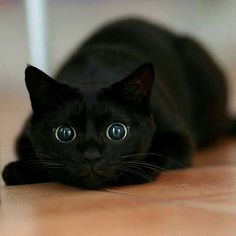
x=155, y=154
x=139, y=173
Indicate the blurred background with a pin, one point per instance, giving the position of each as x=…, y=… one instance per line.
x=69, y=22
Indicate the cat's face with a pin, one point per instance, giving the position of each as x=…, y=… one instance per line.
x=86, y=137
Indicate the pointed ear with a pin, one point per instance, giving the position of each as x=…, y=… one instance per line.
x=45, y=93
x=136, y=87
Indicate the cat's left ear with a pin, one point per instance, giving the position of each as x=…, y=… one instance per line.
x=45, y=93
x=136, y=87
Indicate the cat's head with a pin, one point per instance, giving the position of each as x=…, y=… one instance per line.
x=86, y=136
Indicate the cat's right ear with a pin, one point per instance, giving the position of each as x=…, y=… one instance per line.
x=45, y=92
x=136, y=87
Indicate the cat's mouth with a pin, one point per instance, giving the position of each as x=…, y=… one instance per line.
x=94, y=173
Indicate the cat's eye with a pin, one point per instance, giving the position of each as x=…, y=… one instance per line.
x=116, y=131
x=65, y=133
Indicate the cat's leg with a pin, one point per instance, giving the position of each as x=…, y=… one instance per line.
x=208, y=88
x=16, y=173
x=172, y=150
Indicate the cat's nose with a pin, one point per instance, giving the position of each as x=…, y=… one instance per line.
x=92, y=157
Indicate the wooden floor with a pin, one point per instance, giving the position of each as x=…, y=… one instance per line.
x=196, y=201
x=200, y=201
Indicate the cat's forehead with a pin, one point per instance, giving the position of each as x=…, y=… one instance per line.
x=93, y=106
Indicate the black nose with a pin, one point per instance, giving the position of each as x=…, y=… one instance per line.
x=92, y=157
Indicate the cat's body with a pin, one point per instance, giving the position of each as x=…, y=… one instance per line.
x=184, y=107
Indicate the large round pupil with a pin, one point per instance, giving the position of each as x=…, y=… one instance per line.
x=116, y=132
x=65, y=134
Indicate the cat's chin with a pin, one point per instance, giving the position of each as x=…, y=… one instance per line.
x=90, y=182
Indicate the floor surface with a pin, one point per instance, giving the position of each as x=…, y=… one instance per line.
x=196, y=201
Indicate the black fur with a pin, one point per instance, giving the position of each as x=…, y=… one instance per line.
x=111, y=79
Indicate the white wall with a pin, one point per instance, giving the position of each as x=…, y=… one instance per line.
x=70, y=21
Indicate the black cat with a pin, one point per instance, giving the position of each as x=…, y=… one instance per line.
x=133, y=101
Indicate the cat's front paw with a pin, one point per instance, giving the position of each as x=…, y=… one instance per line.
x=11, y=174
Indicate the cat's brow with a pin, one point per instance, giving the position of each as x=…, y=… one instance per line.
x=89, y=93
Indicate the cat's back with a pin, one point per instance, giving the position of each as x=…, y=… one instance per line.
x=117, y=49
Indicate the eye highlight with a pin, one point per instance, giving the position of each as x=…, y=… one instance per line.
x=65, y=134
x=116, y=131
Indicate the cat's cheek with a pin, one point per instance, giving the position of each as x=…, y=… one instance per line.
x=146, y=137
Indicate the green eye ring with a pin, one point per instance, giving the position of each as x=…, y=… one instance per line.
x=65, y=133
x=116, y=131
